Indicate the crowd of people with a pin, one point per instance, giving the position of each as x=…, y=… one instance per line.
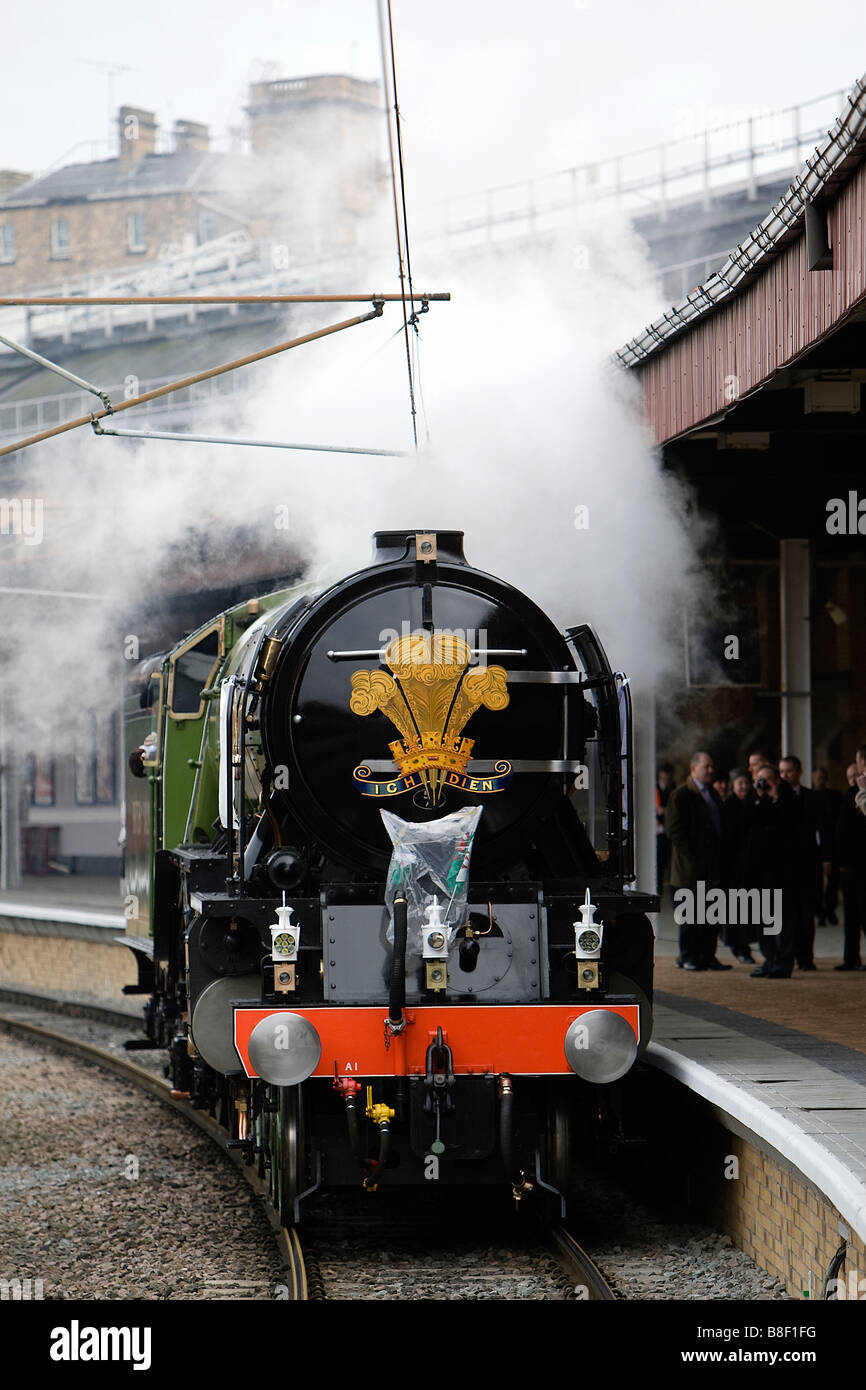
x=759, y=828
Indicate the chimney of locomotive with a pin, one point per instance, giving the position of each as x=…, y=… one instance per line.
x=391, y=546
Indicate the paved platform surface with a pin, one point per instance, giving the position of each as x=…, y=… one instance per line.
x=803, y=1095
x=825, y=1002
x=74, y=891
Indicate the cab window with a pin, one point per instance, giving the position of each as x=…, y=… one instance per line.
x=191, y=672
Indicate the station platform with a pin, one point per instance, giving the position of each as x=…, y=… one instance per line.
x=781, y=1067
x=73, y=892
x=41, y=918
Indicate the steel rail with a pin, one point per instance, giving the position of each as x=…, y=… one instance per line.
x=576, y=1258
x=69, y=1008
x=288, y=1241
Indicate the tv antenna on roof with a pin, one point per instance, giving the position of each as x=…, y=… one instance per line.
x=111, y=71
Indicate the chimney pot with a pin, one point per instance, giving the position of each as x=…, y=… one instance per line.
x=137, y=130
x=191, y=135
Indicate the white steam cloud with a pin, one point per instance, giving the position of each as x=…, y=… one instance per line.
x=528, y=422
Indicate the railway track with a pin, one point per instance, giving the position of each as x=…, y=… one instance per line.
x=404, y=1246
x=586, y=1271
x=293, y=1284
x=357, y=1248
x=647, y=1251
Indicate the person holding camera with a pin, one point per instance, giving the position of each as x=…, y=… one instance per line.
x=771, y=862
x=813, y=859
x=736, y=819
x=829, y=807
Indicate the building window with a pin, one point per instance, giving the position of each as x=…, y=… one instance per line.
x=7, y=244
x=40, y=778
x=59, y=239
x=206, y=227
x=96, y=761
x=135, y=241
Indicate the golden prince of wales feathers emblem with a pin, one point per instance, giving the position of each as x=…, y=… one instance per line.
x=429, y=698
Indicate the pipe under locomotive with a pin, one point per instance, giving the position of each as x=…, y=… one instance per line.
x=339, y=1041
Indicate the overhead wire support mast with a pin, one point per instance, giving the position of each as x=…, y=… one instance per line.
x=377, y=300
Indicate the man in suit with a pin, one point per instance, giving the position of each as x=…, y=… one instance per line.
x=694, y=827
x=757, y=760
x=813, y=861
x=829, y=808
x=851, y=851
x=736, y=819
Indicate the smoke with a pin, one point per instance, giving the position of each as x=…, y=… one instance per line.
x=536, y=450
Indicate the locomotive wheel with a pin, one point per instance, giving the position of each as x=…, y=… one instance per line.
x=260, y=1132
x=287, y=1153
x=560, y=1136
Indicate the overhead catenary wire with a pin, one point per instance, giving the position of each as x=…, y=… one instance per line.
x=399, y=232
x=55, y=368
x=377, y=300
x=186, y=438
x=78, y=301
x=413, y=321
x=398, y=123
x=172, y=386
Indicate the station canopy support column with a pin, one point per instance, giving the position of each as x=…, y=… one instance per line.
x=796, y=682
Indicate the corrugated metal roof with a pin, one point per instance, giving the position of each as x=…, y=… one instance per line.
x=827, y=169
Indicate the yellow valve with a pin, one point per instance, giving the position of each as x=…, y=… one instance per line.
x=379, y=1112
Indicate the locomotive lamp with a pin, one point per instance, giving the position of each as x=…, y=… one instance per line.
x=600, y=1046
x=588, y=936
x=285, y=1049
x=434, y=946
x=285, y=939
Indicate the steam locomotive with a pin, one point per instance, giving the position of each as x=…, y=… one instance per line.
x=347, y=1025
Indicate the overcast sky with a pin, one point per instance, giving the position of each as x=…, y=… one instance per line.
x=490, y=89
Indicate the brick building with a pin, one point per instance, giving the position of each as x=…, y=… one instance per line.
x=305, y=185
x=308, y=183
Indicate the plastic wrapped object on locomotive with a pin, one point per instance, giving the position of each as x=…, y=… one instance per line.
x=346, y=1037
